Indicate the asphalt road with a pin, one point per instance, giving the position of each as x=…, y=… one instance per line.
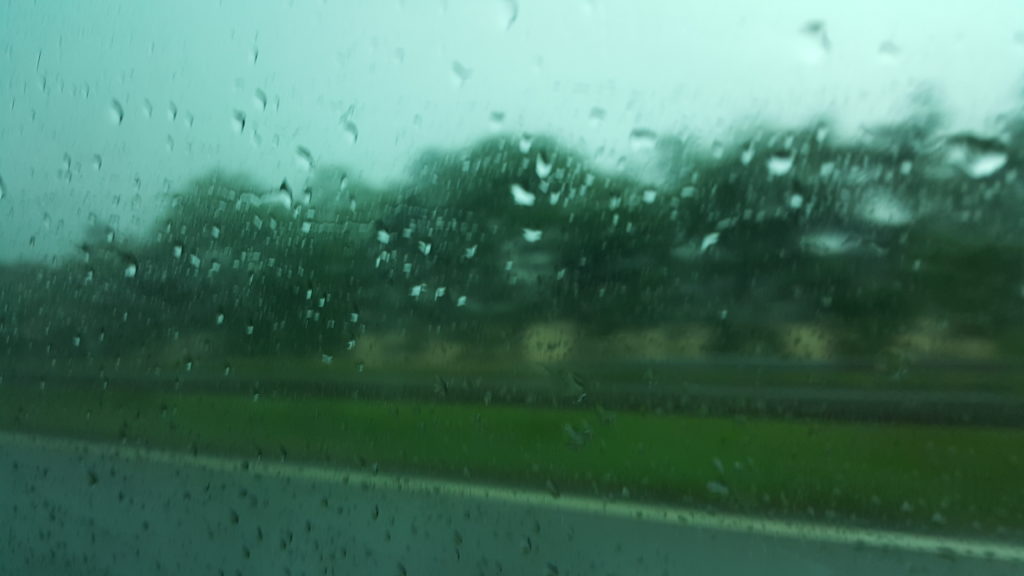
x=81, y=509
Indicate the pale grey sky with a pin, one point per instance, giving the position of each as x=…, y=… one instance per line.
x=371, y=84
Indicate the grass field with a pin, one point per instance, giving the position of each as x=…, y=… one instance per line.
x=942, y=479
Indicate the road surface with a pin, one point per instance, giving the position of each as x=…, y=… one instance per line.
x=83, y=509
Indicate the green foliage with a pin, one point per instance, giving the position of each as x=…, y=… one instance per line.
x=865, y=238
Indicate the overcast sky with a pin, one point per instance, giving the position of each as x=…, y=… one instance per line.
x=104, y=104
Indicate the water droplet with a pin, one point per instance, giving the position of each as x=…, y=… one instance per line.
x=649, y=196
x=544, y=166
x=829, y=243
x=497, y=119
x=820, y=134
x=521, y=196
x=425, y=247
x=525, y=143
x=882, y=208
x=780, y=162
x=889, y=52
x=238, y=121
x=531, y=235
x=976, y=157
x=172, y=111
x=814, y=42
x=147, y=108
x=3, y=188
x=116, y=112
x=215, y=232
x=131, y=270
x=304, y=158
x=260, y=100
x=461, y=301
x=383, y=236
x=508, y=12
x=597, y=115
x=282, y=197
x=747, y=155
x=220, y=319
x=708, y=241
x=177, y=250
x=351, y=131
x=250, y=329
x=641, y=139
x=796, y=201
x=718, y=489
x=97, y=162
x=460, y=73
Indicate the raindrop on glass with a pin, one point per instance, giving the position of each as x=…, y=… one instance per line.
x=304, y=158
x=814, y=42
x=747, y=155
x=889, y=52
x=976, y=157
x=116, y=112
x=508, y=12
x=238, y=121
x=460, y=73
x=497, y=119
x=780, y=163
x=351, y=131
x=525, y=143
x=544, y=166
x=709, y=241
x=642, y=139
x=521, y=196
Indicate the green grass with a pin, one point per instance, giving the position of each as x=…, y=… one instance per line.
x=960, y=480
